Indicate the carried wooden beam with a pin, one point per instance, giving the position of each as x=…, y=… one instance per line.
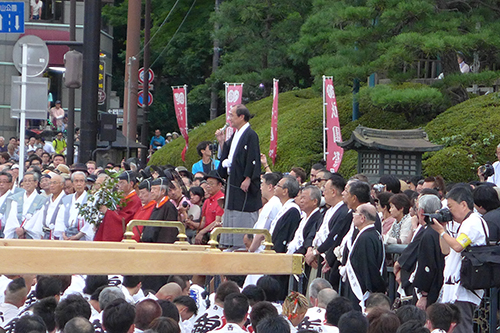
x=135, y=261
x=27, y=256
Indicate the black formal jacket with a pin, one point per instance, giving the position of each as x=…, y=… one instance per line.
x=338, y=225
x=309, y=231
x=430, y=265
x=492, y=219
x=285, y=228
x=366, y=258
x=246, y=163
x=167, y=212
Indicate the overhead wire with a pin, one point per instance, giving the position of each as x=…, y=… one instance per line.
x=158, y=30
x=180, y=26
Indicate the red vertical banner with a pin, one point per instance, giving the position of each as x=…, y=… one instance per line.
x=180, y=104
x=273, y=145
x=234, y=91
x=334, y=152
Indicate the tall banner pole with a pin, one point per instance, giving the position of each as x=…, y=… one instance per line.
x=273, y=144
x=324, y=120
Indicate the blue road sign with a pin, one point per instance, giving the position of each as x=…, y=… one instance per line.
x=12, y=17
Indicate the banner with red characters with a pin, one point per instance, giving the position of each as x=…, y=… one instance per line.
x=180, y=104
x=333, y=153
x=273, y=145
x=234, y=91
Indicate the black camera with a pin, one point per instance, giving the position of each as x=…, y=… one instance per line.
x=486, y=170
x=442, y=215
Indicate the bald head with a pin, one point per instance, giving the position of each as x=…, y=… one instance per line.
x=369, y=211
x=325, y=296
x=169, y=291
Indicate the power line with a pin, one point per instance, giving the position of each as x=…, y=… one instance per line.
x=159, y=28
x=185, y=17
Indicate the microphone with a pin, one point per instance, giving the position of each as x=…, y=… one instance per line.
x=226, y=125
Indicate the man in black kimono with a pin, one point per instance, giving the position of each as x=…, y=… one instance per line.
x=364, y=268
x=285, y=223
x=241, y=166
x=428, y=274
x=164, y=211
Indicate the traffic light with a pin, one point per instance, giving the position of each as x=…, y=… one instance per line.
x=73, y=64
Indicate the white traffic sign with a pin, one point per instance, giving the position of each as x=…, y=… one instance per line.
x=141, y=75
x=37, y=54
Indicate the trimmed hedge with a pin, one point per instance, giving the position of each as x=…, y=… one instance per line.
x=471, y=133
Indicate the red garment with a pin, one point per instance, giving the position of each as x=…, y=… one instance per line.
x=115, y=221
x=142, y=214
x=211, y=209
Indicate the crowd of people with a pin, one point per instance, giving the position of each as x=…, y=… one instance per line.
x=341, y=226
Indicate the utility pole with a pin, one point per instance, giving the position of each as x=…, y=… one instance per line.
x=215, y=65
x=130, y=96
x=91, y=40
x=71, y=93
x=145, y=109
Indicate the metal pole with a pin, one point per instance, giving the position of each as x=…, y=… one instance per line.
x=145, y=109
x=22, y=125
x=129, y=102
x=355, y=100
x=214, y=98
x=91, y=40
x=186, y=111
x=70, y=131
x=324, y=120
x=133, y=41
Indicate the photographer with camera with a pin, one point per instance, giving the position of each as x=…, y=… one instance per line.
x=490, y=172
x=207, y=162
x=473, y=231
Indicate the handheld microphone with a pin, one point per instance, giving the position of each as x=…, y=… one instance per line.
x=224, y=127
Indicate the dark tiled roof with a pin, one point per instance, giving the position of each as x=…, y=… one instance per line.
x=414, y=140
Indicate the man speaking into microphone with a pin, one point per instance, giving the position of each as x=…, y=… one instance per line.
x=240, y=165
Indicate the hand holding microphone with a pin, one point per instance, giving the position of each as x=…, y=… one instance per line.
x=220, y=133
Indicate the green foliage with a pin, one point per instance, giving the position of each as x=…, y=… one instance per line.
x=468, y=129
x=352, y=39
x=417, y=101
x=107, y=195
x=453, y=163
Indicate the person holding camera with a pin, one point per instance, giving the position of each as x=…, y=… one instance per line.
x=207, y=163
x=491, y=172
x=473, y=231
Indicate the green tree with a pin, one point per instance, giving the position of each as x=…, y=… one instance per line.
x=255, y=36
x=355, y=38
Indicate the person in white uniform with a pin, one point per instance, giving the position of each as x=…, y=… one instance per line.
x=70, y=225
x=473, y=231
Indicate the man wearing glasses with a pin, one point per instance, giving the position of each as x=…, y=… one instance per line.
x=22, y=209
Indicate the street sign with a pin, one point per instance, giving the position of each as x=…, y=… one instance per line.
x=141, y=75
x=140, y=99
x=36, y=100
x=101, y=96
x=12, y=17
x=37, y=55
